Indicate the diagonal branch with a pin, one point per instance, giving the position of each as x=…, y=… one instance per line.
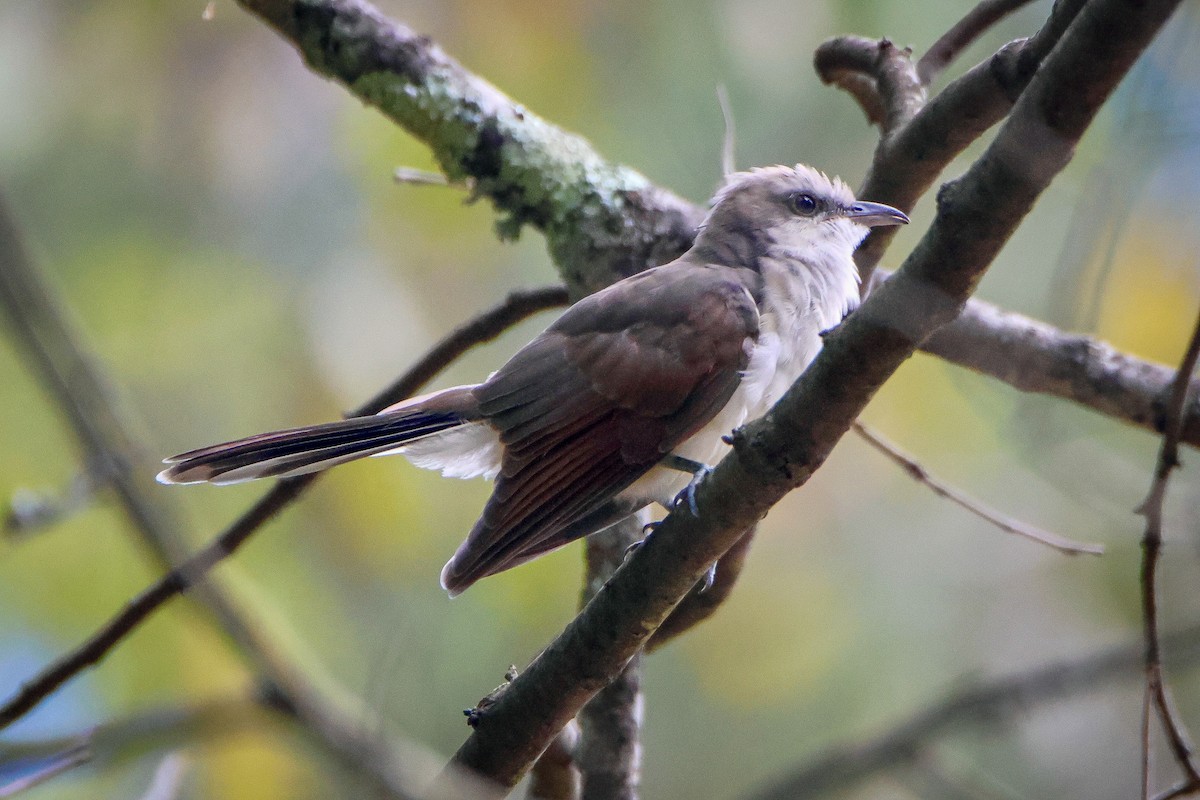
x=969, y=504
x=911, y=157
x=963, y=35
x=1158, y=696
x=602, y=222
x=842, y=767
x=1035, y=357
x=702, y=602
x=976, y=216
x=609, y=753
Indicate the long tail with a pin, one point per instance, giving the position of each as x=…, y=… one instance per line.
x=283, y=454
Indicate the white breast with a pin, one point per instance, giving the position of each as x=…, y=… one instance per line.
x=800, y=300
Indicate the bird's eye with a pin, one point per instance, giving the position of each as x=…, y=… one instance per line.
x=803, y=203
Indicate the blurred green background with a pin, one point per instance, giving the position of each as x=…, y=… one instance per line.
x=226, y=228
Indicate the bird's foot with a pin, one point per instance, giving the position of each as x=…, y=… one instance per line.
x=688, y=495
x=647, y=529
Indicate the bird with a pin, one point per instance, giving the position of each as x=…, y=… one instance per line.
x=629, y=396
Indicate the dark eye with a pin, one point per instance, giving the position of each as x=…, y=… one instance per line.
x=802, y=203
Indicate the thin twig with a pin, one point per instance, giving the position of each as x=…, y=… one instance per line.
x=729, y=139
x=486, y=326
x=962, y=35
x=1005, y=523
x=907, y=162
x=55, y=765
x=1158, y=697
x=609, y=752
x=992, y=702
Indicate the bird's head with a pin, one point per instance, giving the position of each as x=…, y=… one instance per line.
x=789, y=209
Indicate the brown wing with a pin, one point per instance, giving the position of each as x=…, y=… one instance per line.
x=588, y=407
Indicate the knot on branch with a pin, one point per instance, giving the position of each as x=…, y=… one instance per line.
x=879, y=75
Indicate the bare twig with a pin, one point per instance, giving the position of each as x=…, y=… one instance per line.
x=609, y=755
x=729, y=139
x=1005, y=523
x=993, y=702
x=962, y=35
x=53, y=766
x=1158, y=697
x=484, y=327
x=1035, y=357
x=907, y=162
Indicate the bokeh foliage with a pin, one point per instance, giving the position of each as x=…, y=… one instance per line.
x=225, y=227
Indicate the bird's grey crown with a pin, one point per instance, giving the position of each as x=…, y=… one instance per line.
x=751, y=217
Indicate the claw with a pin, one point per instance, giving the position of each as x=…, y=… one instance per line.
x=689, y=493
x=710, y=577
x=633, y=548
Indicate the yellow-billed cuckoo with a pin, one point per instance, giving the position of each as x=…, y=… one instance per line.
x=625, y=398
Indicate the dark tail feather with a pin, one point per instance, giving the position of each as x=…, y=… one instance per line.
x=296, y=451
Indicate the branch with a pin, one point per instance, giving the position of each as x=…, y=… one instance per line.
x=844, y=766
x=656, y=226
x=963, y=35
x=1158, y=695
x=1007, y=524
x=876, y=73
x=602, y=222
x=701, y=603
x=610, y=751
x=1033, y=356
x=976, y=215
x=487, y=326
x=609, y=754
x=911, y=157
x=53, y=765
x=555, y=775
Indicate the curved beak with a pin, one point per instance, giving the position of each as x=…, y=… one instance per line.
x=873, y=214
